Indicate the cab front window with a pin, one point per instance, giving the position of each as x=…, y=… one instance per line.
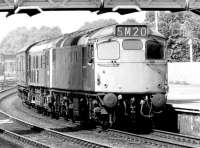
x=154, y=50
x=132, y=44
x=108, y=50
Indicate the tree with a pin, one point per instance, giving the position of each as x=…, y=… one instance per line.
x=22, y=36
x=178, y=28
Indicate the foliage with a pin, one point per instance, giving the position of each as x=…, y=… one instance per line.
x=22, y=36
x=178, y=28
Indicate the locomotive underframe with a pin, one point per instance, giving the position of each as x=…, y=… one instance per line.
x=89, y=106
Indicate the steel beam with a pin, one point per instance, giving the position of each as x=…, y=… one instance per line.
x=6, y=5
x=104, y=5
x=109, y=4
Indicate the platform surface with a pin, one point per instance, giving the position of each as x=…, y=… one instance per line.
x=184, y=96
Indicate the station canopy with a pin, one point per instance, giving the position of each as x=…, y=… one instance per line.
x=32, y=7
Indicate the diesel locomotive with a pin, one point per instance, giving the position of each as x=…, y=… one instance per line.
x=108, y=75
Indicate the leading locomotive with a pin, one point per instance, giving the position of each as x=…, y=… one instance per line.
x=108, y=75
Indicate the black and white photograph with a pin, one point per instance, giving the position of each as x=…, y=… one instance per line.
x=99, y=73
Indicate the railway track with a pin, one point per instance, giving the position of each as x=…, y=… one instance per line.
x=41, y=137
x=35, y=136
x=158, y=139
x=191, y=140
x=44, y=138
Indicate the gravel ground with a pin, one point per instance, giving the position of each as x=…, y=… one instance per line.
x=5, y=143
x=52, y=141
x=101, y=137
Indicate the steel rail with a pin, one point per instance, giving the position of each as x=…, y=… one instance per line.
x=179, y=137
x=10, y=91
x=64, y=136
x=23, y=139
x=154, y=140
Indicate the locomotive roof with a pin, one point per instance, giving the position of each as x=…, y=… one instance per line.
x=23, y=49
x=27, y=47
x=82, y=37
x=50, y=43
x=154, y=32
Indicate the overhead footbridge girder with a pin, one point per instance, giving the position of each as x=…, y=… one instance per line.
x=101, y=5
x=107, y=4
x=6, y=5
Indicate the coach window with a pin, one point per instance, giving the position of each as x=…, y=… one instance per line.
x=29, y=61
x=75, y=57
x=23, y=68
x=132, y=44
x=33, y=61
x=32, y=76
x=154, y=49
x=108, y=50
x=54, y=55
x=36, y=61
x=31, y=72
x=47, y=58
x=37, y=72
x=19, y=64
x=41, y=61
x=22, y=64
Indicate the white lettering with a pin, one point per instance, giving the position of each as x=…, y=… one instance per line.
x=119, y=31
x=143, y=31
x=127, y=31
x=135, y=31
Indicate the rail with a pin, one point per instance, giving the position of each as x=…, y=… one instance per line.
x=159, y=139
x=44, y=132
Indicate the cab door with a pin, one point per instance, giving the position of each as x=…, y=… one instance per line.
x=88, y=67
